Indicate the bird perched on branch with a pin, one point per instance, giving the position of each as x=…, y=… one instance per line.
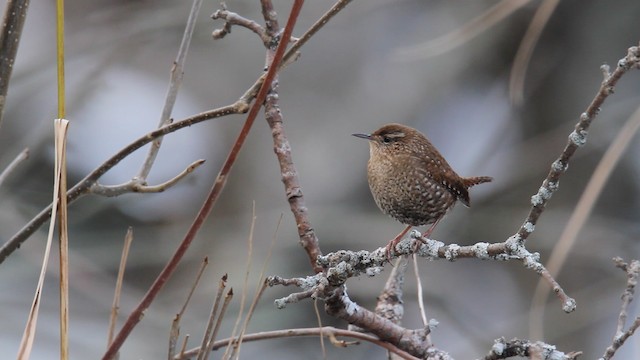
x=409, y=179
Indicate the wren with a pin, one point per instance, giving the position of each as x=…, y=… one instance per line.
x=410, y=181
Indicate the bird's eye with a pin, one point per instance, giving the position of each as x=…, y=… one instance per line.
x=386, y=139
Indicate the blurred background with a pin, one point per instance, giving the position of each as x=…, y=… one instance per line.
x=376, y=62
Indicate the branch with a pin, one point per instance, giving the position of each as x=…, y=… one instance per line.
x=213, y=196
x=503, y=349
x=289, y=175
x=83, y=187
x=327, y=331
x=344, y=264
x=241, y=106
x=231, y=18
x=414, y=342
x=576, y=139
x=633, y=272
x=136, y=186
x=15, y=14
x=177, y=72
x=22, y=156
x=390, y=304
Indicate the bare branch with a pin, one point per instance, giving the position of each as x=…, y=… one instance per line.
x=231, y=18
x=576, y=139
x=211, y=199
x=633, y=272
x=115, y=308
x=241, y=106
x=22, y=156
x=327, y=331
x=503, y=349
x=137, y=185
x=390, y=304
x=177, y=72
x=83, y=187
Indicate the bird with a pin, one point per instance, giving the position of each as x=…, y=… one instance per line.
x=411, y=181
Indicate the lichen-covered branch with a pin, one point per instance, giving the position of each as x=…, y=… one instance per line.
x=503, y=349
x=576, y=139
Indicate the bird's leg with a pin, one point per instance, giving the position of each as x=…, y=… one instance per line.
x=430, y=229
x=426, y=234
x=392, y=244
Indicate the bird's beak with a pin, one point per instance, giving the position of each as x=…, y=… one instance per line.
x=363, y=136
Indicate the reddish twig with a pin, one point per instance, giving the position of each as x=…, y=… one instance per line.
x=218, y=185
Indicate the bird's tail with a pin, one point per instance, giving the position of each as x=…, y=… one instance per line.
x=471, y=181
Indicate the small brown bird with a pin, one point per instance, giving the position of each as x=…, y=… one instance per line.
x=410, y=180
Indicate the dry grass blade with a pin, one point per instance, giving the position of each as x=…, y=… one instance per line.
x=245, y=285
x=175, y=324
x=462, y=35
x=177, y=72
x=579, y=218
x=28, y=336
x=128, y=238
x=416, y=272
x=212, y=338
x=260, y=291
x=317, y=311
x=203, y=265
x=211, y=199
x=531, y=37
x=212, y=315
x=184, y=346
x=61, y=126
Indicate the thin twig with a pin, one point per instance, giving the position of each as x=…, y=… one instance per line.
x=503, y=349
x=579, y=217
x=222, y=284
x=212, y=338
x=241, y=106
x=576, y=139
x=218, y=185
x=175, y=324
x=416, y=272
x=184, y=346
x=115, y=307
x=252, y=309
x=245, y=284
x=633, y=272
x=231, y=18
x=23, y=155
x=83, y=187
x=288, y=333
x=139, y=187
x=15, y=14
x=177, y=72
